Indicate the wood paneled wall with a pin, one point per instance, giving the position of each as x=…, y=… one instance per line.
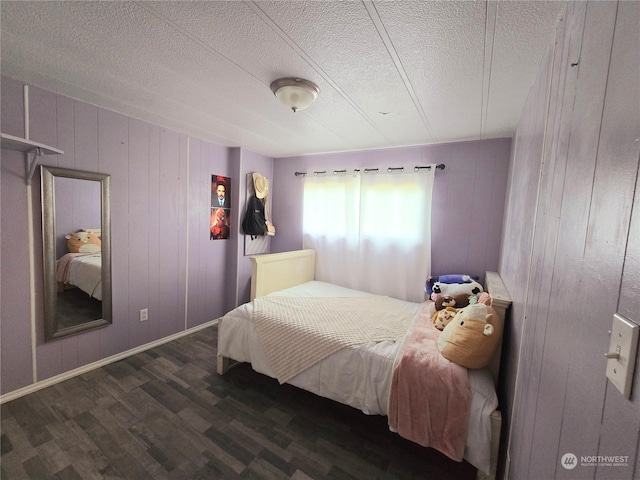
x=569, y=253
x=162, y=258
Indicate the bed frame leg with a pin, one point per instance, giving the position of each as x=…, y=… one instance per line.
x=223, y=364
x=496, y=427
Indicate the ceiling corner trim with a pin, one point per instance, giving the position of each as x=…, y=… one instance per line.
x=489, y=38
x=388, y=43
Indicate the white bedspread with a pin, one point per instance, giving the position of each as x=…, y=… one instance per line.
x=317, y=327
x=358, y=376
x=85, y=272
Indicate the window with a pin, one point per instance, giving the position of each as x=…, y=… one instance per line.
x=371, y=231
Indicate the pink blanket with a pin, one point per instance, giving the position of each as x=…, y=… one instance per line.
x=430, y=397
x=63, y=264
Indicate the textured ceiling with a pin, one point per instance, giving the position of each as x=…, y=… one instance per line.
x=391, y=73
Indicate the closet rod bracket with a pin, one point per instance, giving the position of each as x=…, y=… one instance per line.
x=32, y=158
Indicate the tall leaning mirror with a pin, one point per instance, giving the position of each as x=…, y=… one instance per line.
x=76, y=251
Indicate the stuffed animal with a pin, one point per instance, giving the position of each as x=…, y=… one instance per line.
x=83, y=242
x=458, y=301
x=482, y=297
x=456, y=278
x=453, y=289
x=442, y=317
x=471, y=338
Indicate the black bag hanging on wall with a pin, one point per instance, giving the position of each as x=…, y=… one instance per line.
x=254, y=222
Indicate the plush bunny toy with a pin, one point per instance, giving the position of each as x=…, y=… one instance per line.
x=471, y=338
x=83, y=242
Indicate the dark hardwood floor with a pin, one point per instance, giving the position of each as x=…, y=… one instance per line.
x=166, y=414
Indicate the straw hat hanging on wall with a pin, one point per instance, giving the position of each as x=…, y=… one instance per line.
x=260, y=185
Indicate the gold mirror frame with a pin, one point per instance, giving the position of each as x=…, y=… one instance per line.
x=48, y=175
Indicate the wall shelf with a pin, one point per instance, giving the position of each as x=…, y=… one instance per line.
x=23, y=145
x=34, y=150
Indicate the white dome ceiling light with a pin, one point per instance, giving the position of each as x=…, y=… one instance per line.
x=295, y=93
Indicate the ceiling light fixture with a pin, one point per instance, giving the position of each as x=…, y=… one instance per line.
x=295, y=93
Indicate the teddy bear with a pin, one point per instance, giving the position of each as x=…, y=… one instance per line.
x=458, y=301
x=471, y=338
x=442, y=317
x=83, y=242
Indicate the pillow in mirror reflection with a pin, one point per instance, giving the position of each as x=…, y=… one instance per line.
x=83, y=242
x=96, y=231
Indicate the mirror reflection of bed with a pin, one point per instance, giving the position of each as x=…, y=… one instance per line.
x=79, y=275
x=76, y=251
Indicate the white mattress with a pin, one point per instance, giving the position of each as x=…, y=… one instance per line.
x=85, y=272
x=358, y=376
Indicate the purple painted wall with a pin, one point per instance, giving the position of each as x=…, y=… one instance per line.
x=162, y=258
x=468, y=198
x=15, y=326
x=570, y=250
x=249, y=162
x=209, y=268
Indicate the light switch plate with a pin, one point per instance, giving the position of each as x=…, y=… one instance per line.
x=624, y=341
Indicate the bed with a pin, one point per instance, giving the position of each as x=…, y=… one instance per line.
x=361, y=375
x=81, y=270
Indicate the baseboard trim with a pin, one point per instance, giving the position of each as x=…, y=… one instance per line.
x=34, y=387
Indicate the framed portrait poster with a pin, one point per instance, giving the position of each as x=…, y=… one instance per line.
x=220, y=208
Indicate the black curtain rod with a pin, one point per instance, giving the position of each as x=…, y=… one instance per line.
x=417, y=168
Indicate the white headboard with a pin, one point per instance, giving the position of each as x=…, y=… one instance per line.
x=500, y=301
x=277, y=271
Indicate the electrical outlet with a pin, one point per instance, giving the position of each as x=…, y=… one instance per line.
x=621, y=358
x=144, y=314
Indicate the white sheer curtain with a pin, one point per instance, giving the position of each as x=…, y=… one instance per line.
x=371, y=231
